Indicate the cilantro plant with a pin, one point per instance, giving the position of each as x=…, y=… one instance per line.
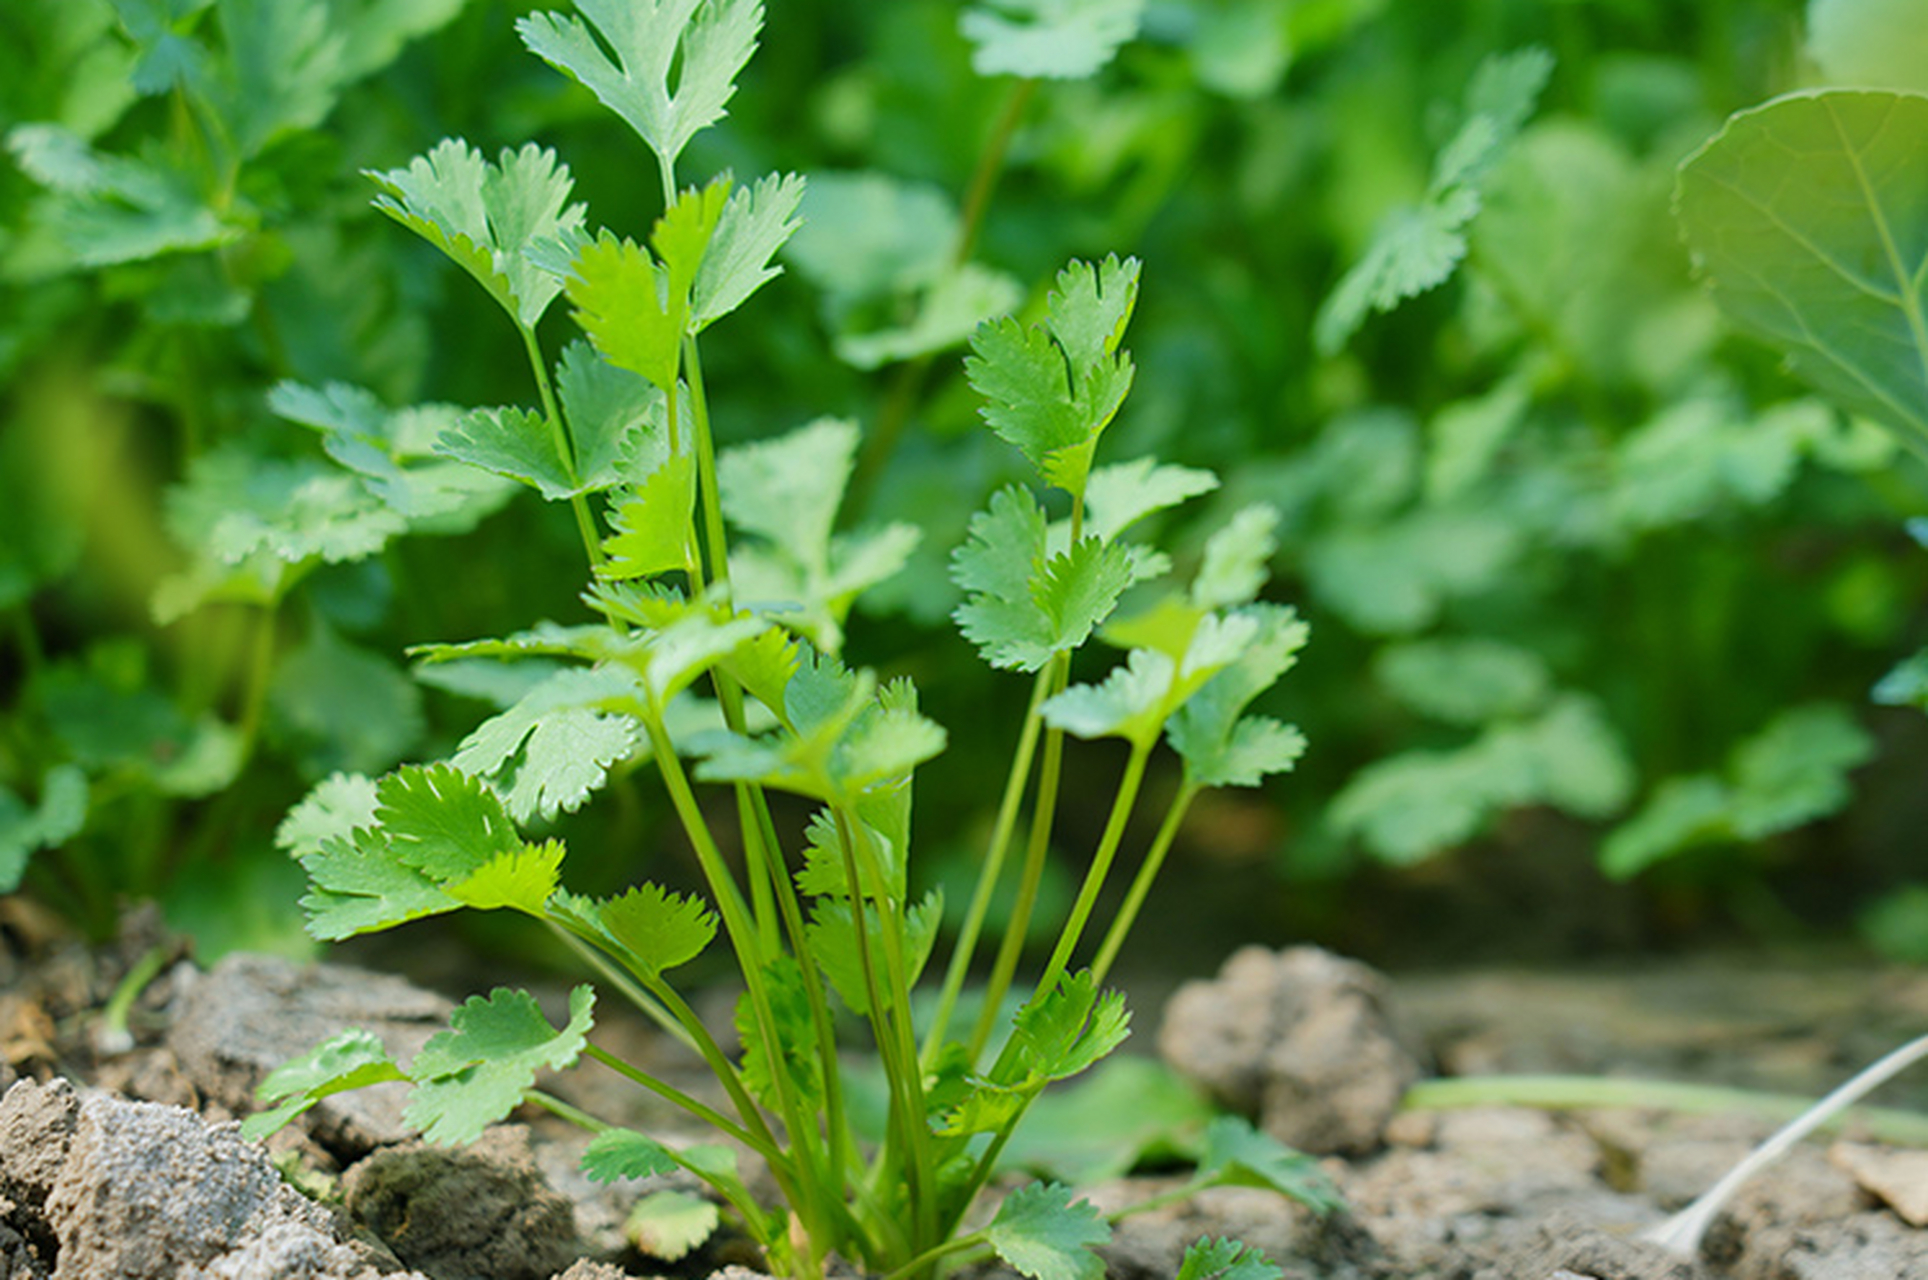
x=722, y=586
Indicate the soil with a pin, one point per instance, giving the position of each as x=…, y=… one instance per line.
x=122, y=1160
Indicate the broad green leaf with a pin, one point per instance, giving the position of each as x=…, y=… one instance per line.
x=475, y=1073
x=706, y=41
x=1050, y=390
x=1467, y=680
x=1236, y=1154
x=358, y=886
x=1870, y=44
x=58, y=817
x=833, y=941
x=649, y=927
x=551, y=750
x=336, y=806
x=520, y=880
x=1809, y=217
x=1237, y=559
x=1063, y=1031
x=487, y=216
x=1416, y=249
x=753, y=226
x=1026, y=605
x=615, y=417
x=623, y=1153
x=442, y=821
x=1226, y=1259
x=351, y=1060
x=1120, y=495
x=1043, y=1233
x=652, y=525
x=1053, y=39
x=668, y=1224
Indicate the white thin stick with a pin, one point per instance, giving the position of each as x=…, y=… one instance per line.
x=1682, y=1233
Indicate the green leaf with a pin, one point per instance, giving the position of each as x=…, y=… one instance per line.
x=706, y=41
x=794, y=1051
x=111, y=209
x=753, y=226
x=615, y=417
x=1796, y=769
x=1043, y=1233
x=1870, y=44
x=1051, y=39
x=1416, y=249
x=1127, y=1110
x=551, y=750
x=1906, y=685
x=651, y=928
x=1026, y=606
x=1219, y=744
x=360, y=887
x=1464, y=681
x=653, y=523
x=1237, y=559
x=1131, y=703
x=668, y=1224
x=833, y=941
x=1122, y=494
x=1051, y=389
x=487, y=217
x=442, y=821
x=336, y=806
x=1809, y=217
x=1682, y=813
x=1063, y=1031
x=520, y=880
x=1238, y=1155
x=58, y=817
x=475, y=1073
x=623, y=1153
x=932, y=317
x=1226, y=1259
x=351, y=1060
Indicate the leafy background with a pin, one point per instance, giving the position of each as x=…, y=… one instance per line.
x=1598, y=592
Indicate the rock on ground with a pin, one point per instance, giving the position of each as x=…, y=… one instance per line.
x=1300, y=1038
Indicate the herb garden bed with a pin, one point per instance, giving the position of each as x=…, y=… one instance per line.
x=115, y=1160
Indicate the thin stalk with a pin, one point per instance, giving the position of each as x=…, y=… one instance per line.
x=922, y=1261
x=711, y=500
x=709, y=1115
x=1043, y=816
x=1121, y=807
x=112, y=1035
x=1142, y=882
x=992, y=870
x=559, y=436
x=647, y=1004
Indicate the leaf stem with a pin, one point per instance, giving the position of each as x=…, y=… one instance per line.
x=606, y=969
x=1121, y=808
x=559, y=437
x=1142, y=882
x=764, y=1146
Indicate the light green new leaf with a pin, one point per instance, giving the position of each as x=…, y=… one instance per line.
x=706, y=41
x=651, y=928
x=61, y=813
x=652, y=524
x=1042, y=1232
x=487, y=216
x=351, y=1060
x=788, y=489
x=475, y=1073
x=624, y=1153
x=1065, y=1030
x=681, y=652
x=615, y=418
x=618, y=291
x=1131, y=703
x=754, y=225
x=1226, y=1259
x=1049, y=39
x=1122, y=494
x=1221, y=746
x=1682, y=813
x=1870, y=44
x=1237, y=559
x=552, y=749
x=1024, y=605
x=1050, y=390
x=520, y=880
x=1809, y=217
x=933, y=317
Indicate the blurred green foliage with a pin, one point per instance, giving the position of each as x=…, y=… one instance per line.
x=1412, y=277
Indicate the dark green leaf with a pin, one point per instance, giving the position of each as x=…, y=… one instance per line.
x=1042, y=1232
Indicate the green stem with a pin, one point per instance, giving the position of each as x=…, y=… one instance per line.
x=113, y=1035
x=992, y=870
x=650, y=1007
x=1142, y=882
x=917, y=1265
x=559, y=437
x=763, y=1146
x=990, y=167
x=1094, y=880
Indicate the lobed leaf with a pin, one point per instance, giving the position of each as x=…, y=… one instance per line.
x=1236, y=1154
x=1063, y=1031
x=352, y=1059
x=793, y=1052
x=1120, y=495
x=1226, y=1259
x=441, y=821
x=476, y=1073
x=833, y=942
x=623, y=1153
x=653, y=524
x=520, y=880
x=1043, y=1233
x=358, y=886
x=650, y=928
x=1026, y=606
x=61, y=813
x=753, y=226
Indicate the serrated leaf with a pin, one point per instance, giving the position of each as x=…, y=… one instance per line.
x=794, y=1052
x=360, y=887
x=627, y=304
x=833, y=941
x=616, y=419
x=1219, y=744
x=351, y=1060
x=1226, y=1259
x=1807, y=217
x=707, y=41
x=1120, y=495
x=1129, y=704
x=668, y=1224
x=652, y=524
x=521, y=880
x=335, y=806
x=553, y=748
x=1046, y=1235
x=487, y=216
x=1238, y=1155
x=754, y=225
x=1237, y=558
x=1051, y=39
x=476, y=1072
x=1050, y=390
x=442, y=821
x=1063, y=1031
x=511, y=442
x=651, y=928
x=1025, y=607
x=615, y=1154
